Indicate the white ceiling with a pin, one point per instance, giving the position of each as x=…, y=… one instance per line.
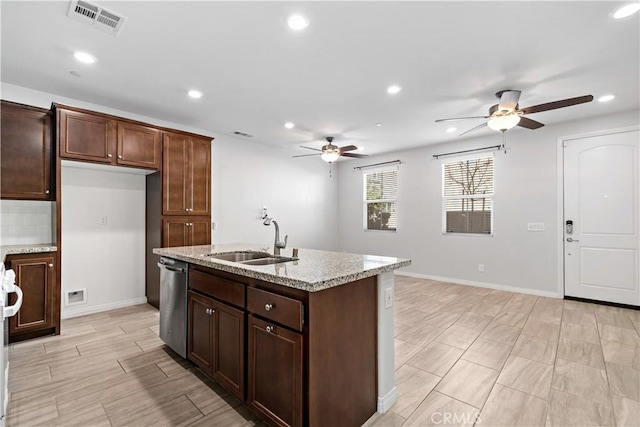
x=331, y=79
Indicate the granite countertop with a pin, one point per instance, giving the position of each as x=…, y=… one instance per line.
x=313, y=271
x=27, y=249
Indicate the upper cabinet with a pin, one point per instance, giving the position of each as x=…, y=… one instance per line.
x=99, y=138
x=25, y=153
x=186, y=187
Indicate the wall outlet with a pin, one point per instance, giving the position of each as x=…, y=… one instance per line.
x=102, y=220
x=213, y=225
x=481, y=268
x=388, y=298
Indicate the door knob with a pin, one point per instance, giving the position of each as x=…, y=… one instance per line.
x=569, y=239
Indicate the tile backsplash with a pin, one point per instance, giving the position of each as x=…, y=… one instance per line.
x=24, y=222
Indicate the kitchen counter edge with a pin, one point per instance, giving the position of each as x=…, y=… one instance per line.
x=267, y=276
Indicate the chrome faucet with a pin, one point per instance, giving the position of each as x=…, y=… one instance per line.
x=277, y=244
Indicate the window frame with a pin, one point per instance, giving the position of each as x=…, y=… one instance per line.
x=444, y=198
x=365, y=202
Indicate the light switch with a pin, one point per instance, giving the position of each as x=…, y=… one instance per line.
x=102, y=220
x=535, y=226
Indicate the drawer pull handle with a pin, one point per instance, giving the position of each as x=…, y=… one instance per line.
x=270, y=328
x=210, y=311
x=268, y=307
x=109, y=155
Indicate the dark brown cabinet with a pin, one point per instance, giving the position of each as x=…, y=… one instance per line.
x=186, y=178
x=185, y=231
x=275, y=372
x=99, y=138
x=311, y=357
x=216, y=341
x=139, y=146
x=40, y=311
x=25, y=153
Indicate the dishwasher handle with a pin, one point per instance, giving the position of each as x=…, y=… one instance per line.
x=177, y=270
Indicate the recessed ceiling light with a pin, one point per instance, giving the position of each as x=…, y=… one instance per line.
x=627, y=10
x=297, y=22
x=378, y=124
x=289, y=125
x=393, y=89
x=606, y=98
x=451, y=130
x=84, y=57
x=195, y=94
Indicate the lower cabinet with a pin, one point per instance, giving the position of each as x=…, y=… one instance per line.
x=40, y=311
x=275, y=372
x=216, y=341
x=310, y=357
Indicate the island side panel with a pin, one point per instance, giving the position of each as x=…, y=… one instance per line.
x=387, y=392
x=342, y=354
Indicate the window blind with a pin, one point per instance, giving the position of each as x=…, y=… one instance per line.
x=468, y=196
x=380, y=197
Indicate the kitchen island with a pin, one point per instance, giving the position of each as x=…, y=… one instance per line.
x=303, y=341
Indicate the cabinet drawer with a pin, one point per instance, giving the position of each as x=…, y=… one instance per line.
x=217, y=287
x=284, y=310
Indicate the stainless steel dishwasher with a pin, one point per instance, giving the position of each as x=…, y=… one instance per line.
x=173, y=304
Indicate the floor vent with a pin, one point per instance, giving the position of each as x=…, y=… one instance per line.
x=77, y=296
x=96, y=16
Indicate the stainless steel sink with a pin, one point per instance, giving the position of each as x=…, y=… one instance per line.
x=239, y=256
x=269, y=260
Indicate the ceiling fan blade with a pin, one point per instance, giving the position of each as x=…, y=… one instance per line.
x=356, y=156
x=472, y=129
x=309, y=148
x=557, y=104
x=529, y=124
x=347, y=148
x=461, y=118
x=509, y=100
x=307, y=155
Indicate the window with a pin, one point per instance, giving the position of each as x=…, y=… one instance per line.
x=380, y=204
x=467, y=196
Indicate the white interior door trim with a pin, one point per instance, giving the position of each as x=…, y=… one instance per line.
x=560, y=187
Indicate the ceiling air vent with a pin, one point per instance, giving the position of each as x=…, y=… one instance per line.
x=96, y=16
x=246, y=135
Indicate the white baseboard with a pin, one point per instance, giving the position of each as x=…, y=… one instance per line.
x=548, y=294
x=68, y=314
x=386, y=402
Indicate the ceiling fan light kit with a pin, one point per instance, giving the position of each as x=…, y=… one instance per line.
x=503, y=123
x=330, y=155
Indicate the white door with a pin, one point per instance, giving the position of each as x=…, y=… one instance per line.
x=601, y=199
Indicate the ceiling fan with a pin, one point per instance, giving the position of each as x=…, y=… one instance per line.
x=330, y=153
x=507, y=114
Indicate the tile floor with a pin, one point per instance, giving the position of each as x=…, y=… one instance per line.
x=464, y=356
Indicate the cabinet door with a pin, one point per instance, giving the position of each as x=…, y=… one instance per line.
x=83, y=136
x=35, y=275
x=228, y=344
x=174, y=174
x=275, y=372
x=199, y=181
x=25, y=153
x=201, y=325
x=200, y=231
x=138, y=146
x=175, y=232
